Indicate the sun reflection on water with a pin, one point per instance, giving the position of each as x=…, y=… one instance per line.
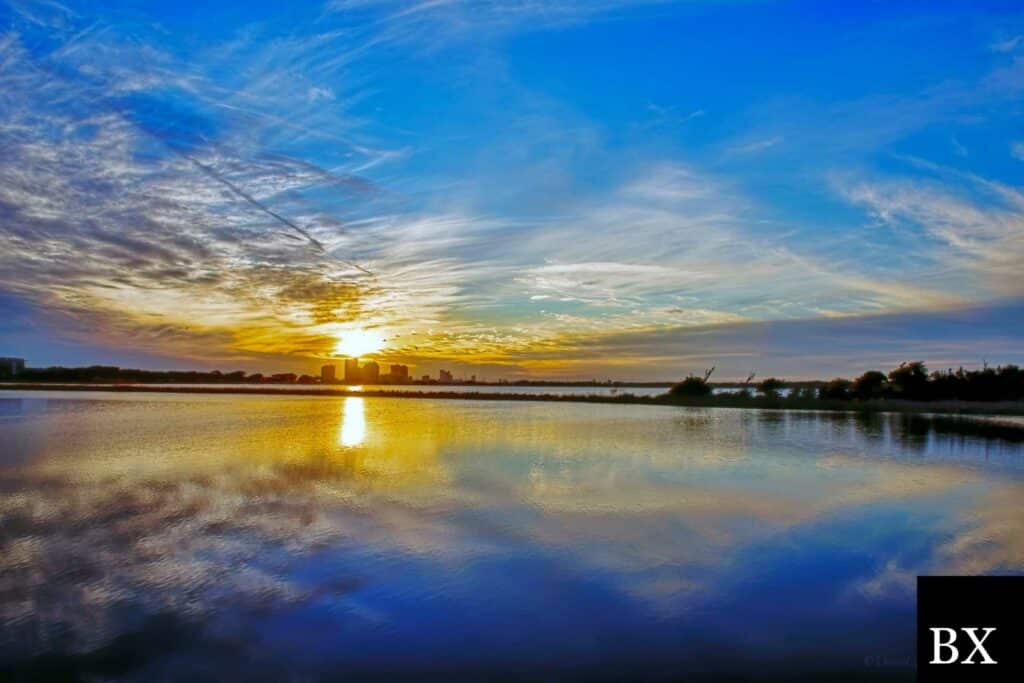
x=353, y=422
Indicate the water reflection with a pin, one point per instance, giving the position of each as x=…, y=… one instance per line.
x=10, y=406
x=262, y=536
x=353, y=422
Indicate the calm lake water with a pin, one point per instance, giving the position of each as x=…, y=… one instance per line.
x=166, y=537
x=436, y=388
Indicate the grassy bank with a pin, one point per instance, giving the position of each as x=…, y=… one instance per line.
x=718, y=401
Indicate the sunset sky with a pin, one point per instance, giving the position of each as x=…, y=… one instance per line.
x=621, y=189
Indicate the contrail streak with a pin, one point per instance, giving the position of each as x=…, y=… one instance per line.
x=262, y=207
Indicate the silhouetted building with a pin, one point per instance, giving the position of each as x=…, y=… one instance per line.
x=445, y=377
x=328, y=374
x=352, y=373
x=11, y=367
x=425, y=378
x=370, y=373
x=399, y=374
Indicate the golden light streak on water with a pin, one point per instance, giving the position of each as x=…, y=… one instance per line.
x=353, y=422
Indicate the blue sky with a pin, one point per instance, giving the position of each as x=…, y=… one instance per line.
x=613, y=188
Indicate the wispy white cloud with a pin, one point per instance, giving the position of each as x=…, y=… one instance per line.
x=969, y=226
x=756, y=145
x=315, y=94
x=436, y=24
x=672, y=115
x=1007, y=45
x=958, y=147
x=673, y=233
x=840, y=129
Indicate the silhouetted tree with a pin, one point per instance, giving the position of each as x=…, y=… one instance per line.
x=836, y=389
x=1004, y=383
x=872, y=384
x=909, y=381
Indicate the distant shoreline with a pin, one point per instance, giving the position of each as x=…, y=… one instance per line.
x=716, y=401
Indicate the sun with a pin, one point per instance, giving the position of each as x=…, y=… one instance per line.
x=356, y=343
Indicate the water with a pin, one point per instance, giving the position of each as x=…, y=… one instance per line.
x=436, y=388
x=206, y=537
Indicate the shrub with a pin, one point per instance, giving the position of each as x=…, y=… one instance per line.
x=691, y=386
x=770, y=387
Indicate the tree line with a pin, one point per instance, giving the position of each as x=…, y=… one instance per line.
x=109, y=374
x=911, y=381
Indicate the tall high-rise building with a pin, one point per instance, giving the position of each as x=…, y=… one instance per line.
x=9, y=367
x=445, y=377
x=399, y=374
x=370, y=373
x=328, y=374
x=352, y=372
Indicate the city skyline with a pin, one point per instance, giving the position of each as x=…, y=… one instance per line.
x=622, y=189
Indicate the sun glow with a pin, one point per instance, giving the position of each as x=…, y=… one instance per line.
x=356, y=343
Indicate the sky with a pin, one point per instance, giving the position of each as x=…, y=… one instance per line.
x=561, y=189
